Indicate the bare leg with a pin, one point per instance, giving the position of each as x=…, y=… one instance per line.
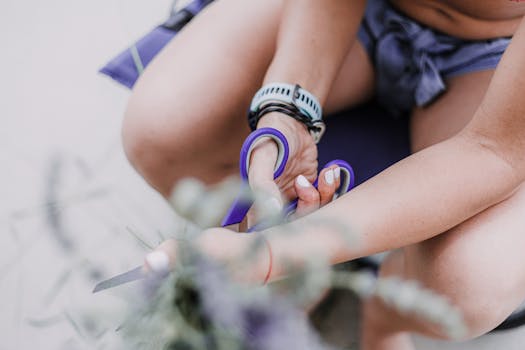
x=477, y=264
x=380, y=324
x=186, y=116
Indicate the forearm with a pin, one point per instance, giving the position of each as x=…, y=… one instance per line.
x=314, y=38
x=414, y=200
x=431, y=191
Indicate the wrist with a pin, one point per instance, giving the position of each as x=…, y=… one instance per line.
x=288, y=100
x=282, y=120
x=244, y=257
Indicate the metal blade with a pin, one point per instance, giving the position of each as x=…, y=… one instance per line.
x=126, y=277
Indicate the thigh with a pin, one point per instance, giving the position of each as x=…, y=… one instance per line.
x=187, y=113
x=477, y=264
x=451, y=112
x=355, y=82
x=187, y=109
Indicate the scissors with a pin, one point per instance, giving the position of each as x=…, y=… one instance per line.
x=240, y=207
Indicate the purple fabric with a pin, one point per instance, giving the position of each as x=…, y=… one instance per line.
x=123, y=69
x=196, y=6
x=368, y=138
x=412, y=61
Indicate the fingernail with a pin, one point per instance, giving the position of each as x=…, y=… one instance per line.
x=158, y=261
x=302, y=181
x=329, y=177
x=337, y=172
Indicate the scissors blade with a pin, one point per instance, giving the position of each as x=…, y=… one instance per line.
x=126, y=277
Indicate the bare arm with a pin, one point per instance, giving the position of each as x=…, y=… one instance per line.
x=313, y=40
x=500, y=120
x=415, y=199
x=432, y=190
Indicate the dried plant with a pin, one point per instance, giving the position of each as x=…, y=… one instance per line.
x=199, y=306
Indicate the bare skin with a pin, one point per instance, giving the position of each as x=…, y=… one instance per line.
x=467, y=19
x=443, y=212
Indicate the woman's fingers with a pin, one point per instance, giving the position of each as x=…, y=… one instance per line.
x=235, y=251
x=328, y=183
x=308, y=196
x=162, y=259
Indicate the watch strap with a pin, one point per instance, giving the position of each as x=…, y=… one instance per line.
x=288, y=93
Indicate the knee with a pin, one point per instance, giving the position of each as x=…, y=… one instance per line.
x=481, y=311
x=460, y=278
x=150, y=140
x=134, y=138
x=165, y=141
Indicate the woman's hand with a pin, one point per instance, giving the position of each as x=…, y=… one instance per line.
x=245, y=260
x=300, y=171
x=302, y=159
x=310, y=198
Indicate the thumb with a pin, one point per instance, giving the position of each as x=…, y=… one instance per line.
x=260, y=176
x=162, y=259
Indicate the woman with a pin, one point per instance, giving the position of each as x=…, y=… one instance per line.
x=454, y=207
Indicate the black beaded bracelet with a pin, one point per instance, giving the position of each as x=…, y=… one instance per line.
x=291, y=100
x=285, y=108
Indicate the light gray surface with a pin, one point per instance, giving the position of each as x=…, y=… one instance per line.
x=60, y=125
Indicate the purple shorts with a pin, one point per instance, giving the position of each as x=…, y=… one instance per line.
x=412, y=61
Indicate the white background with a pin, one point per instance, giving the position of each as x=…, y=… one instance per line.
x=56, y=109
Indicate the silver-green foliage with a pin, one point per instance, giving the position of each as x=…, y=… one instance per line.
x=199, y=305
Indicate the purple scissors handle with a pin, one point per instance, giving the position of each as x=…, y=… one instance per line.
x=347, y=183
x=241, y=206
